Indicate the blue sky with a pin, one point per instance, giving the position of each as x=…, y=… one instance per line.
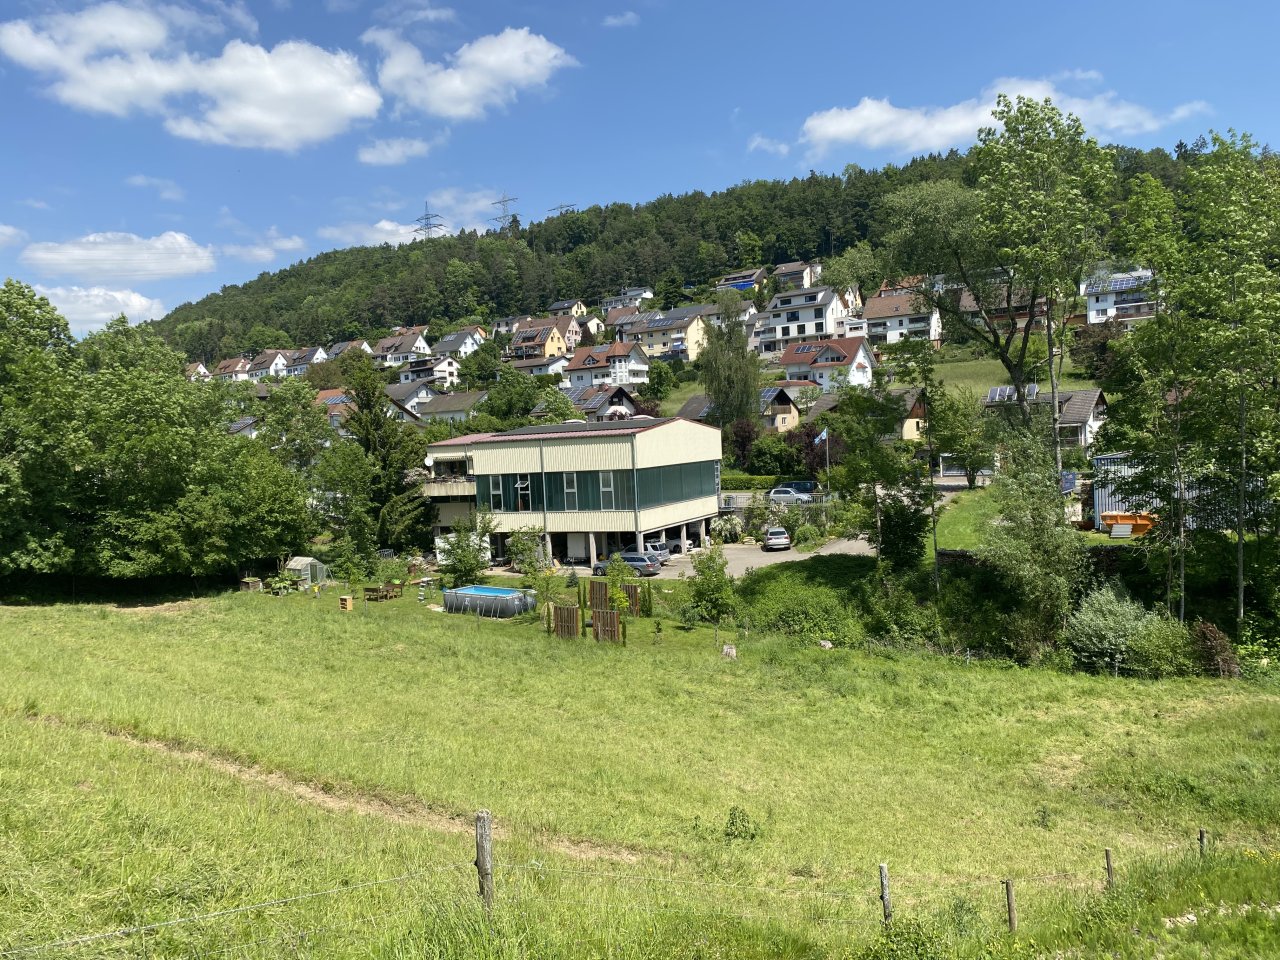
x=158, y=149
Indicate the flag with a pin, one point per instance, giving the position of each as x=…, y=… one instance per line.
x=820, y=437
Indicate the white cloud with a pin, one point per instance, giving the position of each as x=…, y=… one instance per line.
x=264, y=249
x=34, y=204
x=765, y=144
x=879, y=124
x=118, y=60
x=407, y=13
x=487, y=72
x=390, y=153
x=628, y=19
x=87, y=308
x=165, y=189
x=370, y=234
x=121, y=256
x=10, y=235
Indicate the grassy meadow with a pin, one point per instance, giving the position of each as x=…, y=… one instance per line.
x=653, y=799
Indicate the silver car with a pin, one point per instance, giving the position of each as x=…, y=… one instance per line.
x=788, y=497
x=775, y=538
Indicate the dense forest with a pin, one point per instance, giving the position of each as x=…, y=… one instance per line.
x=669, y=243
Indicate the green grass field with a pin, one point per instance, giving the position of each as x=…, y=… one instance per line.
x=651, y=800
x=981, y=375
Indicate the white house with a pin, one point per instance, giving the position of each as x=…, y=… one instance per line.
x=411, y=395
x=460, y=344
x=197, y=371
x=442, y=372
x=619, y=364
x=1124, y=297
x=509, y=325
x=233, y=368
x=628, y=297
x=269, y=363
x=830, y=363
x=404, y=348
x=342, y=346
x=796, y=274
x=301, y=360
x=543, y=366
x=894, y=314
x=568, y=308
x=806, y=315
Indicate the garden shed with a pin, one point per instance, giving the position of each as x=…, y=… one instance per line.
x=308, y=571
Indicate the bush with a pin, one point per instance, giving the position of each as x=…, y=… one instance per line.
x=806, y=534
x=711, y=596
x=1161, y=647
x=902, y=534
x=785, y=599
x=1099, y=632
x=731, y=480
x=728, y=528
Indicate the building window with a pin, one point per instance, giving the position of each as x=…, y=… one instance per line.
x=819, y=328
x=800, y=330
x=817, y=313
x=524, y=501
x=785, y=303
x=606, y=489
x=793, y=315
x=786, y=331
x=571, y=491
x=495, y=493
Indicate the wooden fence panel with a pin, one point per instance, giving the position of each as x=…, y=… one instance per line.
x=607, y=625
x=566, y=621
x=599, y=594
x=632, y=590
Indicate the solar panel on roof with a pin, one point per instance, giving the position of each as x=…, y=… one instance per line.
x=808, y=347
x=1032, y=389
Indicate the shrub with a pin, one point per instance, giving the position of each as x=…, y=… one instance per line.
x=728, y=528
x=739, y=825
x=732, y=480
x=806, y=534
x=1099, y=632
x=711, y=596
x=897, y=620
x=785, y=599
x=1161, y=647
x=1216, y=656
x=902, y=533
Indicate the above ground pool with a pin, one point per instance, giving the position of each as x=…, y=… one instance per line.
x=489, y=601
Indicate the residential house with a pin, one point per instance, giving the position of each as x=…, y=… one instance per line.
x=401, y=348
x=628, y=297
x=460, y=344
x=778, y=410
x=197, y=371
x=453, y=407
x=624, y=324
x=538, y=342
x=618, y=364
x=600, y=402
x=592, y=488
x=568, y=308
x=338, y=406
x=617, y=314
x=509, y=325
x=244, y=427
x=806, y=315
x=569, y=328
x=440, y=372
x=233, y=368
x=543, y=366
x=1123, y=297
x=595, y=325
x=269, y=363
x=896, y=313
x=338, y=349
x=680, y=332
x=410, y=395
x=796, y=274
x=301, y=360
x=751, y=278
x=1081, y=413
x=831, y=363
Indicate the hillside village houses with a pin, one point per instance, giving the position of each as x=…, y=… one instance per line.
x=797, y=274
x=555, y=366
x=509, y=325
x=830, y=363
x=679, y=332
x=896, y=313
x=197, y=371
x=593, y=488
x=1125, y=297
x=620, y=364
x=628, y=297
x=338, y=349
x=402, y=348
x=597, y=403
x=804, y=315
x=440, y=372
x=461, y=343
x=779, y=410
x=538, y=342
x=568, y=308
x=749, y=279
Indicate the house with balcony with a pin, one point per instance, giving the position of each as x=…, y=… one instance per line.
x=1081, y=413
x=618, y=364
x=300, y=361
x=749, y=278
x=796, y=274
x=233, y=368
x=399, y=349
x=806, y=315
x=602, y=401
x=678, y=333
x=440, y=372
x=628, y=297
x=452, y=407
x=830, y=363
x=269, y=363
x=460, y=344
x=568, y=308
x=1119, y=297
x=540, y=342
x=895, y=313
x=569, y=328
x=591, y=488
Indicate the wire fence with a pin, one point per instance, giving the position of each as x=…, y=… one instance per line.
x=487, y=897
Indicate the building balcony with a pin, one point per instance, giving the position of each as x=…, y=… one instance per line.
x=454, y=486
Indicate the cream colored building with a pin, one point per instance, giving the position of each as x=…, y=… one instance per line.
x=591, y=488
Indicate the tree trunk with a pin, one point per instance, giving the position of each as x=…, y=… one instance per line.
x=1240, y=515
x=1053, y=382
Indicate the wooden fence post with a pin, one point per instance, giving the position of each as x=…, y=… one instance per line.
x=1011, y=906
x=1204, y=841
x=885, y=902
x=1111, y=873
x=484, y=856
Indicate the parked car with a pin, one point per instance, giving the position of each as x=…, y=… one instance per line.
x=775, y=538
x=660, y=548
x=788, y=496
x=645, y=564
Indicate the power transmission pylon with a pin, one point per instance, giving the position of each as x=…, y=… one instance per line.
x=563, y=208
x=504, y=219
x=429, y=222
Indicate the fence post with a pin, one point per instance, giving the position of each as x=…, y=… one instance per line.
x=1011, y=906
x=484, y=856
x=1111, y=873
x=1204, y=841
x=884, y=894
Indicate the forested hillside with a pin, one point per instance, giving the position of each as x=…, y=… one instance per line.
x=668, y=243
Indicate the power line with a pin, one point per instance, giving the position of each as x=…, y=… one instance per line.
x=429, y=222
x=563, y=208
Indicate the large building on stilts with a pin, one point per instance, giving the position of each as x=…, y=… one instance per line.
x=591, y=488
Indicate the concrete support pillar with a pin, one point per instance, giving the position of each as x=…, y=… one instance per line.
x=546, y=547
x=639, y=542
x=591, y=548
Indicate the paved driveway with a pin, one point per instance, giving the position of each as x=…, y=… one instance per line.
x=740, y=557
